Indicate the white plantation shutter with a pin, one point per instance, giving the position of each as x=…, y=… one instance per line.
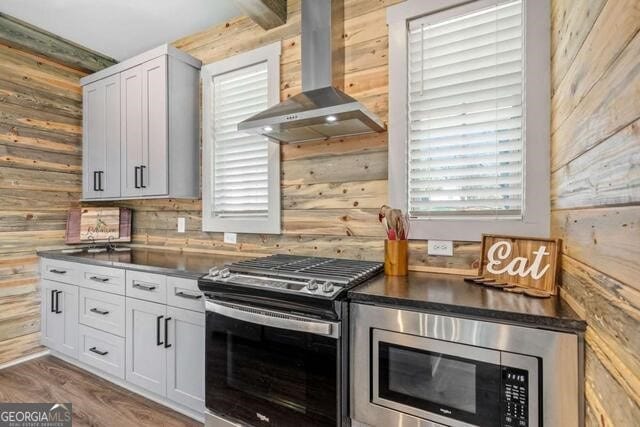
x=240, y=160
x=465, y=114
x=241, y=171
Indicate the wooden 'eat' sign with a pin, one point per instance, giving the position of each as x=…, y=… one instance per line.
x=527, y=262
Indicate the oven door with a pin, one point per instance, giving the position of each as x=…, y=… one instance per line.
x=441, y=381
x=270, y=368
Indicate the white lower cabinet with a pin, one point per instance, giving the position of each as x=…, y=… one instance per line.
x=59, y=313
x=102, y=311
x=135, y=337
x=146, y=356
x=102, y=350
x=165, y=351
x=186, y=350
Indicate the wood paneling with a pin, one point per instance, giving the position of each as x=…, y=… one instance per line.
x=266, y=13
x=595, y=193
x=26, y=37
x=331, y=190
x=40, y=165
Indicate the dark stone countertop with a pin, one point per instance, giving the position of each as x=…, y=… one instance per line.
x=190, y=265
x=449, y=294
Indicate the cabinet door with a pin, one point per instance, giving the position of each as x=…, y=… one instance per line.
x=185, y=357
x=146, y=359
x=131, y=131
x=52, y=327
x=60, y=317
x=67, y=305
x=101, y=139
x=155, y=165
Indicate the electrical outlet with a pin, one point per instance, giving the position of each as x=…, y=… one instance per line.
x=182, y=224
x=440, y=247
x=230, y=238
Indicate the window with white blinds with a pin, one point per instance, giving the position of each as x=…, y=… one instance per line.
x=241, y=187
x=469, y=108
x=240, y=160
x=465, y=77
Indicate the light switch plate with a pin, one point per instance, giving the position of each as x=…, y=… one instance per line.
x=231, y=238
x=440, y=247
x=182, y=224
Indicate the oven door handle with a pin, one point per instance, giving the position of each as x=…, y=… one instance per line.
x=276, y=319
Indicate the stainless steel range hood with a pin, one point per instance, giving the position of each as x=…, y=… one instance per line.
x=322, y=110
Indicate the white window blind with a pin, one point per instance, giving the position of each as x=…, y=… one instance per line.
x=241, y=171
x=465, y=105
x=240, y=160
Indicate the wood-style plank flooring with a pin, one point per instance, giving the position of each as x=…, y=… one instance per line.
x=96, y=402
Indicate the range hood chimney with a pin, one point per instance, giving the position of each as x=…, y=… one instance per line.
x=322, y=110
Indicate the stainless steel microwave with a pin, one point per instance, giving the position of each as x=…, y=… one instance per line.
x=415, y=369
x=454, y=384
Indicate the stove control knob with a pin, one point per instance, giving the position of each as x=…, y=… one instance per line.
x=224, y=273
x=312, y=285
x=327, y=287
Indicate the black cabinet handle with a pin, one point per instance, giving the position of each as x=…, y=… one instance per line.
x=96, y=351
x=53, y=270
x=53, y=296
x=158, y=342
x=98, y=311
x=100, y=188
x=58, y=311
x=95, y=181
x=166, y=332
x=143, y=287
x=188, y=296
x=135, y=173
x=142, y=177
x=99, y=279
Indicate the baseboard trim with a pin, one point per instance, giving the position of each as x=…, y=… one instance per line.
x=24, y=359
x=146, y=394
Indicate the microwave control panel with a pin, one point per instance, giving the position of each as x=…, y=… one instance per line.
x=515, y=397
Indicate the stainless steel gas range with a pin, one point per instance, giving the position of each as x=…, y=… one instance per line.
x=277, y=340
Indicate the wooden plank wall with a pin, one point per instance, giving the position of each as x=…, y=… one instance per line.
x=40, y=162
x=331, y=191
x=40, y=166
x=595, y=192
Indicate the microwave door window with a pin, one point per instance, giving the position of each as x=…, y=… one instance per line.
x=434, y=378
x=422, y=382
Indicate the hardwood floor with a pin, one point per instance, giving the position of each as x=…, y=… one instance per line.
x=96, y=402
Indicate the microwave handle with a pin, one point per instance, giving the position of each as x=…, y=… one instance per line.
x=276, y=319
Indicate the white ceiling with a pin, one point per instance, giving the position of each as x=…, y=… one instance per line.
x=121, y=28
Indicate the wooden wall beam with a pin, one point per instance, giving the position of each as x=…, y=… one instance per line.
x=21, y=35
x=266, y=13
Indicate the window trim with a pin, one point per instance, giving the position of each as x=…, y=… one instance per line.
x=272, y=223
x=535, y=220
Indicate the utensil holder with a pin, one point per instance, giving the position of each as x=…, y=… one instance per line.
x=396, y=259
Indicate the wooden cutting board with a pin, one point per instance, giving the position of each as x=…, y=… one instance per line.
x=83, y=223
x=99, y=223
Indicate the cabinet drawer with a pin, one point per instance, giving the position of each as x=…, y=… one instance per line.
x=184, y=293
x=102, y=350
x=102, y=311
x=147, y=286
x=102, y=279
x=60, y=271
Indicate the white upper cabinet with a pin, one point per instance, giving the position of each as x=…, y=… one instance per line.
x=101, y=135
x=141, y=128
